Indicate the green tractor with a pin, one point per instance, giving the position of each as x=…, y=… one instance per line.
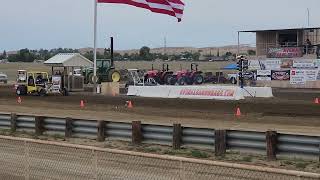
x=106, y=71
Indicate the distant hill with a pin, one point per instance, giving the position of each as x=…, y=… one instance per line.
x=178, y=50
x=174, y=50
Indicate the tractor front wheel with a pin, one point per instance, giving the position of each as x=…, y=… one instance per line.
x=114, y=76
x=198, y=79
x=181, y=81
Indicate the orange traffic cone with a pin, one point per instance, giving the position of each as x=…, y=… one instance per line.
x=238, y=113
x=130, y=106
x=19, y=100
x=316, y=101
x=81, y=104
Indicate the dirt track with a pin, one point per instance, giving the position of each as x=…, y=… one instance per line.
x=288, y=112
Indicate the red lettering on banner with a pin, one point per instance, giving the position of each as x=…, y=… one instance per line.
x=200, y=92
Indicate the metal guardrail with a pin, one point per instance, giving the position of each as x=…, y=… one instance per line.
x=118, y=130
x=54, y=126
x=84, y=129
x=288, y=145
x=246, y=141
x=197, y=137
x=299, y=146
x=157, y=134
x=25, y=123
x=5, y=121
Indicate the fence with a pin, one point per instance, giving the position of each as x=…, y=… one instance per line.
x=270, y=143
x=35, y=159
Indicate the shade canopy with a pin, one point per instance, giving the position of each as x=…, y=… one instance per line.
x=69, y=60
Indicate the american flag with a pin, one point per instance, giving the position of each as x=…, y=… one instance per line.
x=170, y=7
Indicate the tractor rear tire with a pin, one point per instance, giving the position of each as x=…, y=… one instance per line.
x=181, y=81
x=42, y=93
x=90, y=78
x=65, y=92
x=114, y=76
x=21, y=90
x=166, y=79
x=172, y=80
x=198, y=79
x=233, y=80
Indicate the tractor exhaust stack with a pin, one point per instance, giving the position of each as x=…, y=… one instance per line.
x=111, y=52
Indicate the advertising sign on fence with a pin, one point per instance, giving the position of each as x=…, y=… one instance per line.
x=304, y=64
x=311, y=75
x=254, y=64
x=56, y=83
x=270, y=64
x=282, y=75
x=297, y=76
x=286, y=63
x=285, y=52
x=318, y=76
x=264, y=75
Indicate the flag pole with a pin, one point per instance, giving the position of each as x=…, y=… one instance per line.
x=95, y=46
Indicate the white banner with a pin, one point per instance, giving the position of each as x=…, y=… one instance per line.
x=297, y=76
x=56, y=83
x=254, y=65
x=188, y=92
x=311, y=75
x=200, y=92
x=270, y=64
x=303, y=64
x=264, y=75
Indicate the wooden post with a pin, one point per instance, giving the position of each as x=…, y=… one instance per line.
x=68, y=130
x=136, y=133
x=220, y=142
x=271, y=138
x=176, y=136
x=13, y=122
x=101, y=131
x=39, y=125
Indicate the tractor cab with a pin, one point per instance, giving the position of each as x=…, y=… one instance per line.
x=103, y=65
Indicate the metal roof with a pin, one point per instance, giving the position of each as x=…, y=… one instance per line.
x=69, y=60
x=288, y=29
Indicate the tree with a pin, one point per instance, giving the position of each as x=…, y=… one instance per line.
x=228, y=53
x=145, y=53
x=251, y=52
x=196, y=56
x=4, y=55
x=218, y=53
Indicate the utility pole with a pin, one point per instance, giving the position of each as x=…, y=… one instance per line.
x=308, y=18
x=165, y=45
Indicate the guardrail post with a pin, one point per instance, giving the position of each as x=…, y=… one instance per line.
x=68, y=130
x=101, y=131
x=220, y=142
x=13, y=122
x=271, y=138
x=176, y=136
x=39, y=125
x=136, y=132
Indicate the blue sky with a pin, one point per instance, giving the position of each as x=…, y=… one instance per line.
x=38, y=24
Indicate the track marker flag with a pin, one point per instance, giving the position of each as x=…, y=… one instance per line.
x=173, y=8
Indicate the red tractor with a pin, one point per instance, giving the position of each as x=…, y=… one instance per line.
x=187, y=77
x=161, y=77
